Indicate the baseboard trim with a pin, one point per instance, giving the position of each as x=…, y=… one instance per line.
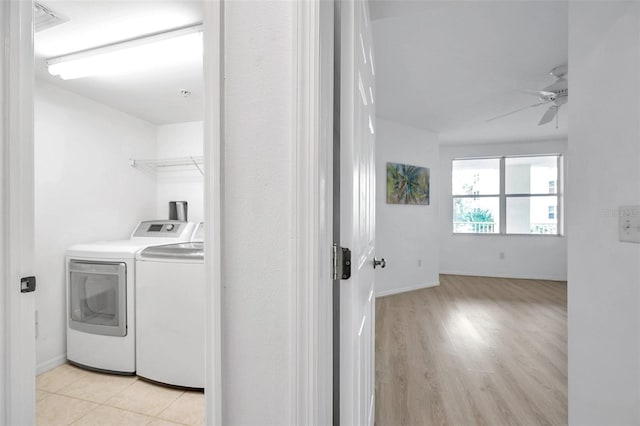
x=520, y=277
x=51, y=364
x=405, y=289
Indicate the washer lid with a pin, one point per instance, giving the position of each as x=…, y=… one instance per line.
x=180, y=251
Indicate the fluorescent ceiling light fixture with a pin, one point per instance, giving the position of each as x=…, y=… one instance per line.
x=130, y=56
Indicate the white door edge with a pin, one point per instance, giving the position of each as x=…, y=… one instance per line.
x=213, y=41
x=312, y=384
x=357, y=214
x=16, y=168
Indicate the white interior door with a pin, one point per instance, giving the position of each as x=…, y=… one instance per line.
x=357, y=214
x=16, y=168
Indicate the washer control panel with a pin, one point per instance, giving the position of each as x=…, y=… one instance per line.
x=159, y=228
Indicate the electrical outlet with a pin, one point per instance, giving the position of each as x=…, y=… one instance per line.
x=419, y=263
x=629, y=224
x=501, y=255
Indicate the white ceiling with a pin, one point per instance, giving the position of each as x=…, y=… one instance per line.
x=152, y=96
x=448, y=66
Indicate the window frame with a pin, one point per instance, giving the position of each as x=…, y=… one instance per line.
x=502, y=225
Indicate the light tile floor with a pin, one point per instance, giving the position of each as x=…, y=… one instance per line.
x=68, y=395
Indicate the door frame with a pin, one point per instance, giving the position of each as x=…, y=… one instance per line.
x=213, y=47
x=312, y=310
x=17, y=320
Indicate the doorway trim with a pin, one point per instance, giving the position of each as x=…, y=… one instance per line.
x=213, y=47
x=16, y=167
x=312, y=391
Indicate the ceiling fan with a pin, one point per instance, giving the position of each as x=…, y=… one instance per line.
x=556, y=94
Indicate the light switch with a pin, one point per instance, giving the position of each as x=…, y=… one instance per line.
x=629, y=224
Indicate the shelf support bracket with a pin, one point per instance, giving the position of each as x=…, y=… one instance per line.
x=197, y=167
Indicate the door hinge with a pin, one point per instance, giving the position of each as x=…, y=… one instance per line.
x=341, y=262
x=27, y=284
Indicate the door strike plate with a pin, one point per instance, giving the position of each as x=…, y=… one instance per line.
x=27, y=284
x=341, y=263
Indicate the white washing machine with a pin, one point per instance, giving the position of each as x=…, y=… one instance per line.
x=101, y=296
x=170, y=313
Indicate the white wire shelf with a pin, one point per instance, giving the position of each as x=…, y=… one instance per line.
x=166, y=164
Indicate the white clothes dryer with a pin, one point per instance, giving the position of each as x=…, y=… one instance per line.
x=170, y=313
x=101, y=296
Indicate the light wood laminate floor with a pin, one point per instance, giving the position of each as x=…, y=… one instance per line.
x=473, y=351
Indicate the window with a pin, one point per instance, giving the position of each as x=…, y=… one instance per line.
x=506, y=195
x=476, y=196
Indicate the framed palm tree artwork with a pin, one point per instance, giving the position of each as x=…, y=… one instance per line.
x=407, y=184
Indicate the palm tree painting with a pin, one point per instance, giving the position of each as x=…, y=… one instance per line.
x=407, y=184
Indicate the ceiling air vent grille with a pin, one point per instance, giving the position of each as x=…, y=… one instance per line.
x=44, y=18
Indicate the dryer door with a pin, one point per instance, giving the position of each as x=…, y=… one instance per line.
x=98, y=297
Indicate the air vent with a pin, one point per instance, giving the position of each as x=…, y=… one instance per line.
x=44, y=18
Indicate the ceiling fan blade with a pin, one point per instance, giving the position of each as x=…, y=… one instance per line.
x=560, y=71
x=549, y=115
x=558, y=86
x=518, y=110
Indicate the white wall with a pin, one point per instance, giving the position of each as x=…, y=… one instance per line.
x=257, y=324
x=180, y=140
x=85, y=190
x=541, y=257
x=604, y=173
x=406, y=235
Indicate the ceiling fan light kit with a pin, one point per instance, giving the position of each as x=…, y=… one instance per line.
x=556, y=93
